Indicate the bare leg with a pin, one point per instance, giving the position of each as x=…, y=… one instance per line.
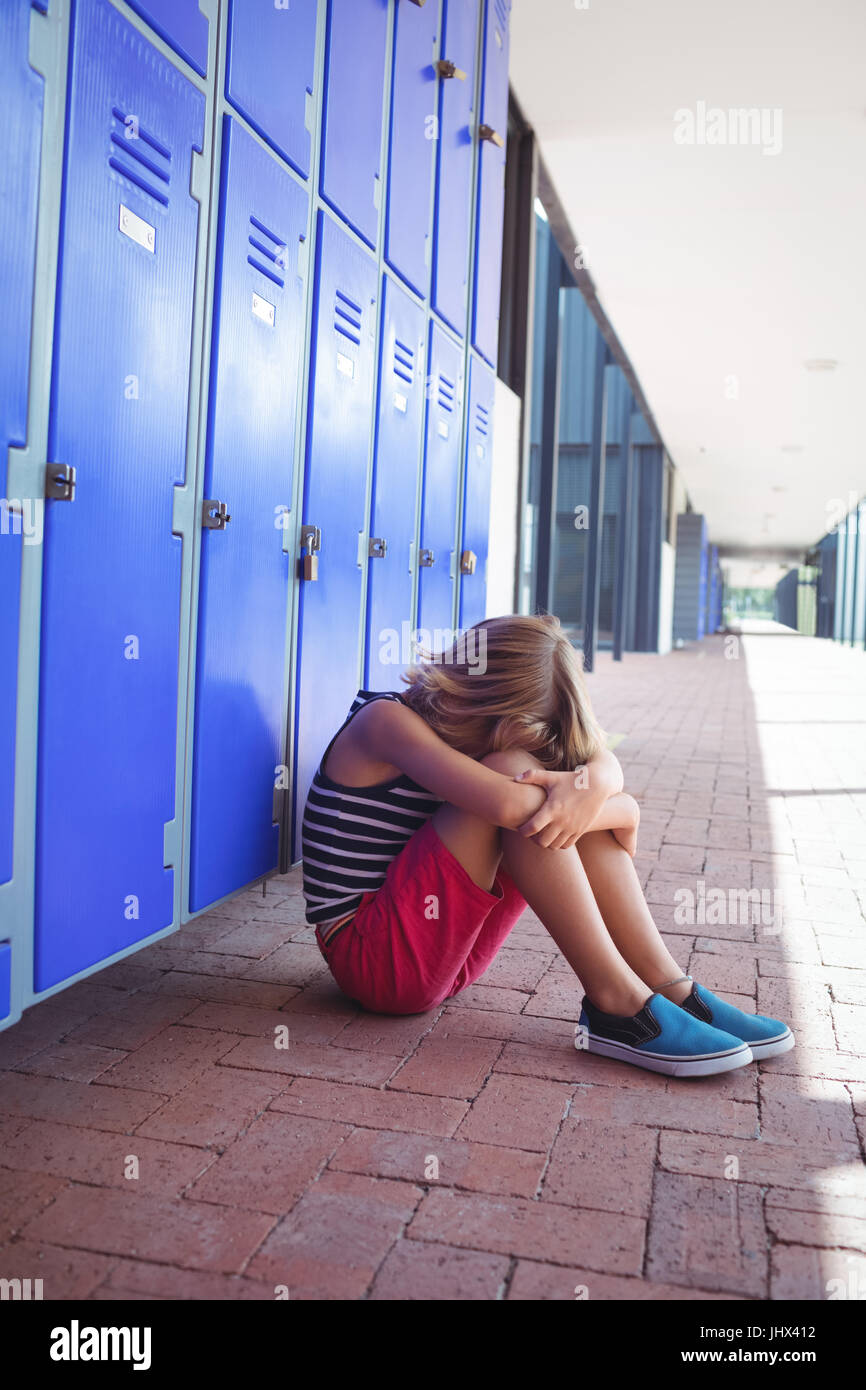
x=556, y=887
x=617, y=891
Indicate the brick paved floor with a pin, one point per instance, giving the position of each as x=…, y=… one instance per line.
x=471, y=1152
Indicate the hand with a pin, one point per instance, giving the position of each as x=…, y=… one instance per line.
x=574, y=801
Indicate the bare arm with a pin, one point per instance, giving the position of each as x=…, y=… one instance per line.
x=547, y=805
x=395, y=734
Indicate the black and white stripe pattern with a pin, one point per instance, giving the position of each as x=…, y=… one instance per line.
x=351, y=834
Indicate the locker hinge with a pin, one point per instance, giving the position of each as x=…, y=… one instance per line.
x=60, y=482
x=214, y=515
x=486, y=132
x=425, y=558
x=468, y=561
x=445, y=68
x=378, y=548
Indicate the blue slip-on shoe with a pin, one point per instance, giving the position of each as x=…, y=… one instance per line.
x=767, y=1037
x=661, y=1037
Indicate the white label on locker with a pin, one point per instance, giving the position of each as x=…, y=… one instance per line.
x=400, y=402
x=345, y=365
x=443, y=428
x=479, y=449
x=264, y=310
x=137, y=229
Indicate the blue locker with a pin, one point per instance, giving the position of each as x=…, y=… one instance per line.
x=412, y=144
x=352, y=118
x=492, y=128
x=269, y=74
x=476, y=495
x=453, y=216
x=342, y=394
x=259, y=304
x=181, y=24
x=112, y=567
x=436, y=559
x=395, y=487
x=21, y=122
x=5, y=979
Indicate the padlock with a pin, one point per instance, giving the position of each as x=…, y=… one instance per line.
x=310, y=567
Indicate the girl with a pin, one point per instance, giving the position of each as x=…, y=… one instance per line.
x=437, y=814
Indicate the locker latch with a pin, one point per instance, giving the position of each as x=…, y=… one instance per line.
x=486, y=132
x=426, y=558
x=468, y=561
x=378, y=548
x=311, y=541
x=60, y=482
x=214, y=515
x=446, y=68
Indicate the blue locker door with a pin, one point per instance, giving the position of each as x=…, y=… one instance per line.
x=112, y=569
x=413, y=116
x=436, y=558
x=395, y=487
x=476, y=496
x=493, y=127
x=453, y=217
x=352, y=123
x=21, y=122
x=269, y=77
x=342, y=393
x=182, y=25
x=244, y=587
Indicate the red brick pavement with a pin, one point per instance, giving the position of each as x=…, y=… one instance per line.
x=156, y=1142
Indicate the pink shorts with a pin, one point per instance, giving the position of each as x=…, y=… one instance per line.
x=426, y=934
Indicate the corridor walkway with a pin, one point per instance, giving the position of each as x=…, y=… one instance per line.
x=211, y=1119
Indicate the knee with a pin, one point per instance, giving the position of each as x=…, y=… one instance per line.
x=510, y=761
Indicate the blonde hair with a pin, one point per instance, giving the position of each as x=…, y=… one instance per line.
x=528, y=692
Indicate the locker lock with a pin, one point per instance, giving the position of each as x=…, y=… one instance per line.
x=311, y=541
x=486, y=132
x=445, y=68
x=468, y=561
x=378, y=548
x=426, y=558
x=214, y=515
x=60, y=482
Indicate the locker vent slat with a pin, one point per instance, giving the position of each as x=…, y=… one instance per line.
x=277, y=255
x=347, y=317
x=404, y=362
x=446, y=393
x=134, y=156
x=482, y=419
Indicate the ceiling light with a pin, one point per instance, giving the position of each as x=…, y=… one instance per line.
x=821, y=364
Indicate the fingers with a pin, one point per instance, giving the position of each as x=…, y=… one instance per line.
x=536, y=777
x=536, y=823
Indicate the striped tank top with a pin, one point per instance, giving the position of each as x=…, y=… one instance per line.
x=350, y=835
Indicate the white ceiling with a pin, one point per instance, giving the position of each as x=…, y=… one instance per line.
x=720, y=261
